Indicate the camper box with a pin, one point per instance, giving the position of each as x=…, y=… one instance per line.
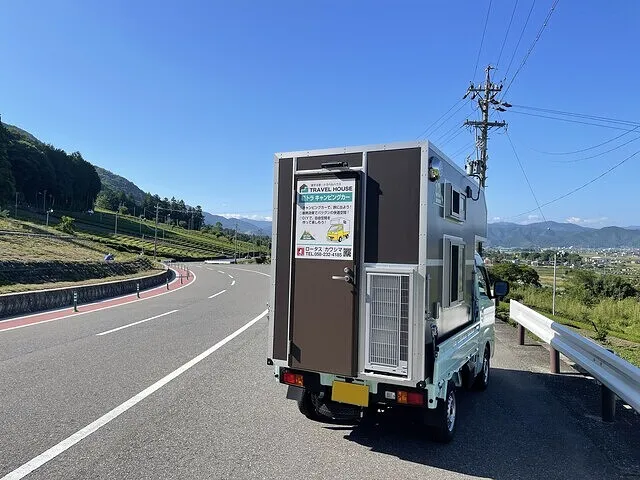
x=379, y=296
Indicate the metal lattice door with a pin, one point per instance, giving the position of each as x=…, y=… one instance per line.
x=387, y=332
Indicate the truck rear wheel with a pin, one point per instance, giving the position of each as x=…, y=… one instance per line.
x=444, y=426
x=482, y=380
x=307, y=406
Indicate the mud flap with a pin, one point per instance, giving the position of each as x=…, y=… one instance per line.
x=294, y=393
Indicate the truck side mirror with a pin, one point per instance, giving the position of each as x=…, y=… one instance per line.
x=500, y=289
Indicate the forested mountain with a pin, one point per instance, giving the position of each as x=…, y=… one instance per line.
x=43, y=175
x=119, y=184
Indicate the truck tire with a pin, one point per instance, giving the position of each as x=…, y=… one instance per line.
x=482, y=380
x=307, y=406
x=444, y=426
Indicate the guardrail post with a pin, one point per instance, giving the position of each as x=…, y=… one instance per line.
x=608, y=404
x=138, y=289
x=75, y=301
x=554, y=360
x=181, y=277
x=520, y=335
x=187, y=273
x=167, y=280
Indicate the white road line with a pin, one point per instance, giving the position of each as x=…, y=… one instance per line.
x=91, y=311
x=209, y=268
x=247, y=270
x=69, y=442
x=220, y=271
x=230, y=276
x=135, y=323
x=216, y=294
x=233, y=283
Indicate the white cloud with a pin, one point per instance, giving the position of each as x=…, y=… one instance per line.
x=530, y=219
x=596, y=221
x=495, y=219
x=265, y=218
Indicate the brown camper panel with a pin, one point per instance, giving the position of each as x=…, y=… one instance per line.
x=393, y=206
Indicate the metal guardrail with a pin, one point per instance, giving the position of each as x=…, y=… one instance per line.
x=617, y=376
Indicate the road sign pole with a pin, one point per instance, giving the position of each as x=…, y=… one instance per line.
x=75, y=301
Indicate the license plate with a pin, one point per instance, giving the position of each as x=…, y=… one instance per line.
x=350, y=393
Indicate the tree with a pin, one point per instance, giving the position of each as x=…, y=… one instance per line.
x=515, y=274
x=7, y=182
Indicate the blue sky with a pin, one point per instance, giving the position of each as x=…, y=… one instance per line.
x=193, y=98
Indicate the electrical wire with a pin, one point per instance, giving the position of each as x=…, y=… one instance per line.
x=515, y=51
x=450, y=139
x=578, y=115
x=597, y=154
x=464, y=148
x=535, y=41
x=584, y=185
x=515, y=6
x=533, y=194
x=449, y=117
x=588, y=148
x=484, y=31
x=573, y=121
x=439, y=118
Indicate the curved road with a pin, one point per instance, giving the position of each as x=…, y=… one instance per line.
x=175, y=387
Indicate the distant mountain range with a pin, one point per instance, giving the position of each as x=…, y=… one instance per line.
x=244, y=225
x=554, y=234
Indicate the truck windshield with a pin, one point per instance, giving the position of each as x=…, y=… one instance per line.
x=335, y=228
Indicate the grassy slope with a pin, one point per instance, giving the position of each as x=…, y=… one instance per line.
x=19, y=252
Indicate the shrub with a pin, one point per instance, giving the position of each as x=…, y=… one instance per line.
x=66, y=225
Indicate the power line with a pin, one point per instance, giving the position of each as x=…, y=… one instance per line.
x=574, y=121
x=578, y=115
x=448, y=132
x=581, y=186
x=515, y=6
x=484, y=31
x=450, y=139
x=449, y=117
x=588, y=148
x=526, y=177
x=439, y=118
x=519, y=39
x=597, y=154
x=535, y=41
x=464, y=148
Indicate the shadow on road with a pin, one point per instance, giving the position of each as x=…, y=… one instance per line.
x=525, y=426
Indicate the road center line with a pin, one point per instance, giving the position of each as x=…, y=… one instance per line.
x=230, y=276
x=220, y=271
x=69, y=442
x=135, y=323
x=233, y=283
x=216, y=294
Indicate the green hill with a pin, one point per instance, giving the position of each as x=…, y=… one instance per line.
x=119, y=184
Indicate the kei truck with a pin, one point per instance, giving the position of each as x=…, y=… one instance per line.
x=399, y=312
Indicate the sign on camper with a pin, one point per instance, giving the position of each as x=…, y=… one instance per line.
x=325, y=218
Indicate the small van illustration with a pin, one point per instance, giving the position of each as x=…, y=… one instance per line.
x=339, y=230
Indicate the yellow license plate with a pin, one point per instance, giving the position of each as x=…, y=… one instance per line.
x=350, y=393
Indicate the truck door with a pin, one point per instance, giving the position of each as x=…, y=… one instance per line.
x=324, y=303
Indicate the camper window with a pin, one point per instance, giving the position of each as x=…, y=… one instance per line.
x=456, y=274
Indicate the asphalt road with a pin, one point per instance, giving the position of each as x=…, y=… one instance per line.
x=215, y=411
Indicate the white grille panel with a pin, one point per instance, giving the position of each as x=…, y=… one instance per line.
x=388, y=322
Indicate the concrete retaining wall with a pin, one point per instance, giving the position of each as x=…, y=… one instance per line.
x=12, y=304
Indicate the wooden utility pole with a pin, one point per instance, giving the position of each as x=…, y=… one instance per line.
x=155, y=241
x=486, y=95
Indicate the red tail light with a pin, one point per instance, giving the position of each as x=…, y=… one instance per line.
x=291, y=378
x=410, y=398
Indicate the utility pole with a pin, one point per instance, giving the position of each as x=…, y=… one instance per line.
x=16, y=205
x=235, y=251
x=553, y=304
x=116, y=229
x=155, y=241
x=486, y=95
x=44, y=202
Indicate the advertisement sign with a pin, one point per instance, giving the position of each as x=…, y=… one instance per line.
x=325, y=214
